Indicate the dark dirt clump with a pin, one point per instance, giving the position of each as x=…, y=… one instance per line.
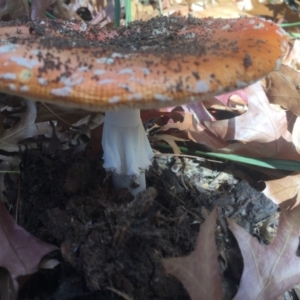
x=111, y=244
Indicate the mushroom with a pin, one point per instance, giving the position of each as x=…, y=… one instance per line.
x=159, y=63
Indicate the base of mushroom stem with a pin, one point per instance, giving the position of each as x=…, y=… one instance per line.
x=134, y=184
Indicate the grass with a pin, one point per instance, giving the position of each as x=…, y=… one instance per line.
x=270, y=163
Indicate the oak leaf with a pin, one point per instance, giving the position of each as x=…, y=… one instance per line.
x=199, y=272
x=14, y=8
x=261, y=132
x=282, y=87
x=283, y=189
x=270, y=270
x=20, y=252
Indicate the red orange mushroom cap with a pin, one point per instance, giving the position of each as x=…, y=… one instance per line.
x=161, y=62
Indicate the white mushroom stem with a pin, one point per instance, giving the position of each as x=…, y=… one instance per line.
x=127, y=152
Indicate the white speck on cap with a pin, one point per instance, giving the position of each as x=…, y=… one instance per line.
x=190, y=35
x=161, y=97
x=43, y=81
x=8, y=76
x=62, y=92
x=136, y=96
x=105, y=60
x=126, y=87
x=225, y=27
x=259, y=25
x=12, y=87
x=278, y=63
x=35, y=52
x=283, y=47
x=99, y=72
x=83, y=69
x=241, y=84
x=83, y=26
x=126, y=71
x=120, y=55
x=134, y=79
x=105, y=81
x=114, y=99
x=28, y=63
x=146, y=71
x=201, y=87
x=8, y=48
x=75, y=79
x=285, y=44
x=280, y=32
x=24, y=88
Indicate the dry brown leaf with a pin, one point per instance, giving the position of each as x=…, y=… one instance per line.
x=239, y=96
x=171, y=140
x=199, y=272
x=25, y=128
x=296, y=134
x=201, y=135
x=199, y=109
x=225, y=10
x=270, y=270
x=261, y=132
x=275, y=11
x=39, y=7
x=14, y=8
x=282, y=87
x=179, y=10
x=68, y=9
x=280, y=190
x=20, y=252
x=173, y=131
x=191, y=129
x=292, y=58
x=66, y=117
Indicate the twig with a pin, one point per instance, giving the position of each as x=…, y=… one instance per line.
x=119, y=293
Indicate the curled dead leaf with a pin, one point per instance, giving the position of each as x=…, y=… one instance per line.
x=283, y=189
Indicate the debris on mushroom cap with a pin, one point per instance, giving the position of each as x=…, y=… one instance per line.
x=161, y=62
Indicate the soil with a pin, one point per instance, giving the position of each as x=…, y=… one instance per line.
x=111, y=245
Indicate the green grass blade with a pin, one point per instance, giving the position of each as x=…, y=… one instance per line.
x=280, y=164
x=289, y=24
x=127, y=12
x=117, y=13
x=295, y=34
